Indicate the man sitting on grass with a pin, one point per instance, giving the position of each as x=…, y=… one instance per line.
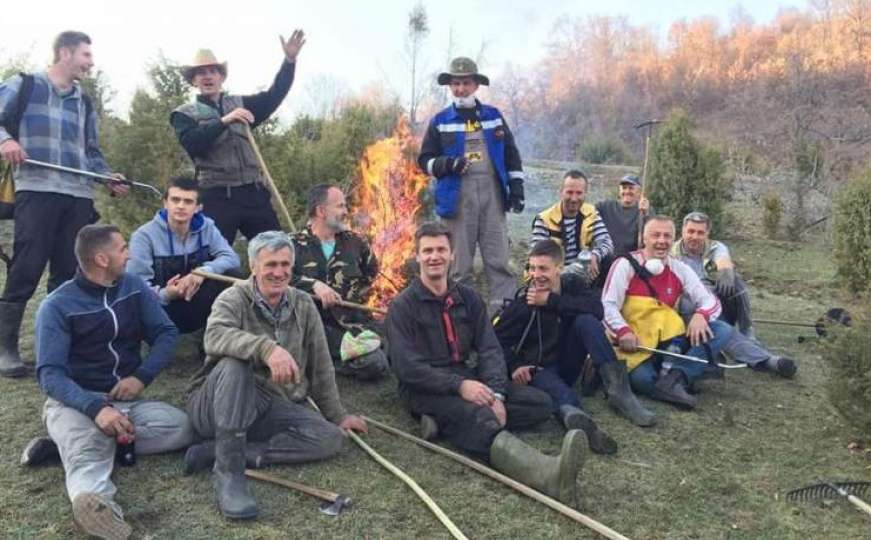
x=711, y=261
x=88, y=335
x=452, y=373
x=546, y=333
x=266, y=352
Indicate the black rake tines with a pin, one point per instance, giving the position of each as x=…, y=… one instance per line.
x=828, y=491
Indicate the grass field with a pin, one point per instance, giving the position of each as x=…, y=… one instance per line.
x=719, y=472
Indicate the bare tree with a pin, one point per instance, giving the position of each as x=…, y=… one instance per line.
x=418, y=30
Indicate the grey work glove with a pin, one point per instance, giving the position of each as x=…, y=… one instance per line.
x=444, y=166
x=725, y=284
x=516, y=201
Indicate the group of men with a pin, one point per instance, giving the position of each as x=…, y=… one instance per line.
x=279, y=337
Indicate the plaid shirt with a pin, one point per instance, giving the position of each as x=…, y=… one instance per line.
x=53, y=129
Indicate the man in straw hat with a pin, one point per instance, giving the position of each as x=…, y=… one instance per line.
x=470, y=151
x=212, y=130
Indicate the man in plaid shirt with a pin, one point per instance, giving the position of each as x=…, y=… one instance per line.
x=57, y=126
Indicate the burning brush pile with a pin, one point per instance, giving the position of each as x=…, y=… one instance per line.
x=388, y=196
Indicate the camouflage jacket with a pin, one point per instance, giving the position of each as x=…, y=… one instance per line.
x=350, y=271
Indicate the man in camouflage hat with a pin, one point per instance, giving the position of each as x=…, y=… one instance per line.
x=470, y=151
x=212, y=131
x=335, y=264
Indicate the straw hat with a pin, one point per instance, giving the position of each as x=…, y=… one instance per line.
x=204, y=57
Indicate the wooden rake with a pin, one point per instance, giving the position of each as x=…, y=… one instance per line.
x=826, y=490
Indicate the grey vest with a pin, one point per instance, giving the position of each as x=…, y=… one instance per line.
x=230, y=161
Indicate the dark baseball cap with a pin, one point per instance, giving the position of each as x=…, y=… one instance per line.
x=631, y=179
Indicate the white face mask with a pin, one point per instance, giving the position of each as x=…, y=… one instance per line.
x=654, y=266
x=464, y=102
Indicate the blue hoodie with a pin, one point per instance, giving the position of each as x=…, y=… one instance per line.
x=157, y=253
x=88, y=338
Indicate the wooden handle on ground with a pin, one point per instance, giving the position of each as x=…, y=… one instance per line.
x=343, y=303
x=860, y=504
x=277, y=201
x=396, y=471
x=322, y=494
x=522, y=488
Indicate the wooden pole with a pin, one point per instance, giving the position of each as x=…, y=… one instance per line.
x=571, y=513
x=322, y=494
x=643, y=186
x=343, y=303
x=396, y=471
x=277, y=201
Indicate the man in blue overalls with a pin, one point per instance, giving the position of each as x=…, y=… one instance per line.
x=470, y=151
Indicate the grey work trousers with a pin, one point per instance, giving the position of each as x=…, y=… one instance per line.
x=88, y=455
x=233, y=399
x=480, y=222
x=746, y=350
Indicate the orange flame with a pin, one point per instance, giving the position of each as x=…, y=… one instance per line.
x=387, y=202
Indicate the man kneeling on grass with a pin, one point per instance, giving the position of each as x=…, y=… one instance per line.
x=266, y=351
x=452, y=373
x=88, y=336
x=546, y=333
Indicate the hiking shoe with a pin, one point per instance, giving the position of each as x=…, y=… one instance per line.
x=599, y=441
x=40, y=450
x=429, y=429
x=786, y=367
x=96, y=517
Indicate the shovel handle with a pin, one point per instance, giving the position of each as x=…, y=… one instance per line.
x=322, y=494
x=860, y=504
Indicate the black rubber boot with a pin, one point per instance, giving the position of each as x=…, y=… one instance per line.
x=599, y=441
x=231, y=487
x=620, y=395
x=200, y=457
x=10, y=326
x=552, y=475
x=672, y=388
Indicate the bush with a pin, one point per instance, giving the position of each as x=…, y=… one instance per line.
x=848, y=354
x=683, y=175
x=772, y=211
x=853, y=232
x=604, y=149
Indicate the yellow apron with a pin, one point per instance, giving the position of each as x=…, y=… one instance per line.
x=653, y=322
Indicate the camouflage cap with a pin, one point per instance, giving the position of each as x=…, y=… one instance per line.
x=462, y=67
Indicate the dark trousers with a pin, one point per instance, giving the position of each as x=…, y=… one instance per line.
x=46, y=225
x=191, y=316
x=243, y=208
x=736, y=308
x=473, y=427
x=579, y=337
x=233, y=399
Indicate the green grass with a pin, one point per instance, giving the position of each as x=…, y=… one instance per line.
x=720, y=472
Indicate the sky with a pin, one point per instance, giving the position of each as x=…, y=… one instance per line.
x=350, y=45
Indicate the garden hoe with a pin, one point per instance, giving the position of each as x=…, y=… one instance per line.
x=824, y=490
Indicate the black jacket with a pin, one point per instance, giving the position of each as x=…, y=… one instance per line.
x=418, y=344
x=541, y=345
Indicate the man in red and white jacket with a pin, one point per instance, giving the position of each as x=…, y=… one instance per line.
x=640, y=299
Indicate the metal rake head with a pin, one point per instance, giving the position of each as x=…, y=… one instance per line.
x=828, y=490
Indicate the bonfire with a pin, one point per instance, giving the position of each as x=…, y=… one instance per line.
x=387, y=201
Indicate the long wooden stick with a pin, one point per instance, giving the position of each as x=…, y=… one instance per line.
x=571, y=513
x=343, y=303
x=322, y=494
x=643, y=187
x=396, y=471
x=277, y=201
x=784, y=323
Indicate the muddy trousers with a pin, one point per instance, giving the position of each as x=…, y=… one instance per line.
x=88, y=455
x=473, y=427
x=232, y=399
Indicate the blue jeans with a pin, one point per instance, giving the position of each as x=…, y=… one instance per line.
x=578, y=337
x=643, y=377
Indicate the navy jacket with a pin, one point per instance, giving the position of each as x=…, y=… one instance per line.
x=88, y=337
